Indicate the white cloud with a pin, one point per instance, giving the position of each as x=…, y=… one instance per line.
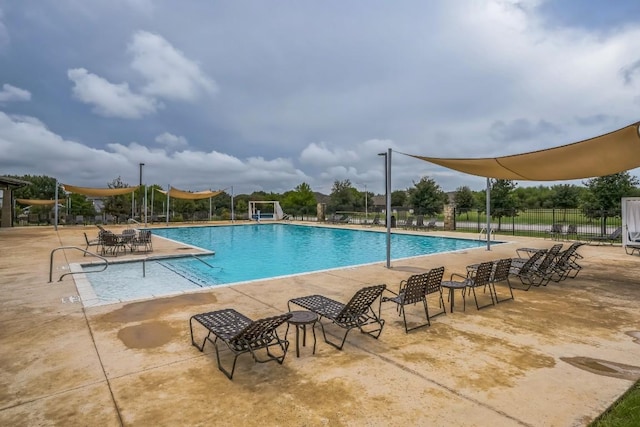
x=320, y=154
x=12, y=93
x=169, y=73
x=109, y=99
x=31, y=148
x=171, y=141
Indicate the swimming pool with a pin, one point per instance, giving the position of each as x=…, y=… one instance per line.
x=250, y=252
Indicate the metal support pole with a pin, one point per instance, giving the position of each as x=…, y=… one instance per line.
x=232, y=213
x=387, y=184
x=55, y=223
x=488, y=200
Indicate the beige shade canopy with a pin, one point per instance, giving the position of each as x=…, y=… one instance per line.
x=38, y=202
x=607, y=154
x=188, y=195
x=99, y=192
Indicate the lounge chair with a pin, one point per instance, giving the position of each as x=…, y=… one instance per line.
x=517, y=262
x=357, y=313
x=241, y=335
x=415, y=290
x=610, y=239
x=566, y=265
x=537, y=271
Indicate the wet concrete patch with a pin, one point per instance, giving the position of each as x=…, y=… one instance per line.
x=146, y=335
x=152, y=309
x=605, y=367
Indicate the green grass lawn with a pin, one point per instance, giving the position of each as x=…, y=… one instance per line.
x=625, y=412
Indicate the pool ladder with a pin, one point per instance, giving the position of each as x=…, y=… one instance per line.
x=106, y=262
x=483, y=232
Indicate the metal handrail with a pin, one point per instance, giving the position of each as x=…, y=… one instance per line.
x=106, y=262
x=204, y=262
x=484, y=231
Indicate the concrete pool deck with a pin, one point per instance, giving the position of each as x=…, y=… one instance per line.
x=555, y=356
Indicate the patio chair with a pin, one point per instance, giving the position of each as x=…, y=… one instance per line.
x=431, y=225
x=415, y=290
x=410, y=223
x=357, y=313
x=242, y=335
x=112, y=244
x=479, y=277
x=92, y=242
x=500, y=274
x=143, y=239
x=555, y=231
x=570, y=232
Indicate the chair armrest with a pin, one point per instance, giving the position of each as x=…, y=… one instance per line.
x=464, y=278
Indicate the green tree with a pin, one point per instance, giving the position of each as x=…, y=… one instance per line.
x=427, y=198
x=503, y=200
x=342, y=196
x=565, y=196
x=300, y=201
x=399, y=198
x=603, y=198
x=464, y=200
x=118, y=205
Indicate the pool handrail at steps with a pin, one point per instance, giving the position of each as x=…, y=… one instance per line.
x=106, y=262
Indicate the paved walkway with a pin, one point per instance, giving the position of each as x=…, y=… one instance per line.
x=556, y=356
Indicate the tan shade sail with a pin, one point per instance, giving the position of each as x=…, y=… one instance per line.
x=99, y=192
x=607, y=154
x=38, y=202
x=180, y=194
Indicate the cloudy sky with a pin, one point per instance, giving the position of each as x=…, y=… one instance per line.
x=265, y=95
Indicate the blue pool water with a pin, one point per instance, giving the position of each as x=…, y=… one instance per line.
x=250, y=252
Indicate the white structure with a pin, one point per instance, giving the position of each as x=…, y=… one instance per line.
x=255, y=211
x=630, y=220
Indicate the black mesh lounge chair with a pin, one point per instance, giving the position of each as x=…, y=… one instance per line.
x=610, y=239
x=537, y=271
x=357, y=313
x=500, y=274
x=518, y=262
x=415, y=290
x=242, y=335
x=566, y=264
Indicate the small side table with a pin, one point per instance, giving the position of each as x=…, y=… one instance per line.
x=300, y=320
x=452, y=286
